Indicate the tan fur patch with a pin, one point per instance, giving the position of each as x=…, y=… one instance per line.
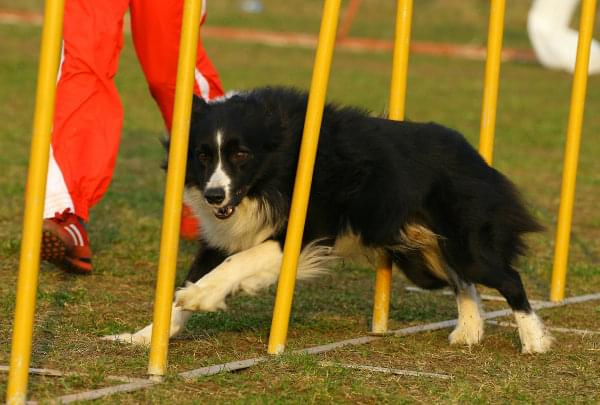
x=418, y=237
x=349, y=247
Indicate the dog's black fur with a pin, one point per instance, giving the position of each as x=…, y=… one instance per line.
x=417, y=192
x=373, y=176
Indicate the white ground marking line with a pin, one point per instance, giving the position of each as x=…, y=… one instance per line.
x=485, y=297
x=582, y=332
x=37, y=371
x=242, y=364
x=218, y=368
x=387, y=370
x=102, y=392
x=56, y=373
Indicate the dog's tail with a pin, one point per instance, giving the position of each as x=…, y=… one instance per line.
x=516, y=211
x=512, y=221
x=316, y=259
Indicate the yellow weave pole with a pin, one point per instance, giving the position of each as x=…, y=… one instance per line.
x=29, y=262
x=382, y=295
x=174, y=188
x=383, y=277
x=400, y=60
x=567, y=194
x=492, y=76
x=306, y=161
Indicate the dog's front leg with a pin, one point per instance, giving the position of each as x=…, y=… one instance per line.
x=206, y=259
x=249, y=270
x=179, y=318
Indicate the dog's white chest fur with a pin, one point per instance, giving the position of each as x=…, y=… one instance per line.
x=247, y=227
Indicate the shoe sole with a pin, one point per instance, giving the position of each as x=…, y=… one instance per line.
x=54, y=250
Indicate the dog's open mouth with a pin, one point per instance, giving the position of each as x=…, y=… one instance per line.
x=224, y=212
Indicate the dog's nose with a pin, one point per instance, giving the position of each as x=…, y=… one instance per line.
x=214, y=195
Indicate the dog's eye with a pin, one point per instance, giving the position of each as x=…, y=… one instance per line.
x=240, y=156
x=203, y=157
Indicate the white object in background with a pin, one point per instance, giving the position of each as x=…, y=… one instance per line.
x=554, y=42
x=251, y=6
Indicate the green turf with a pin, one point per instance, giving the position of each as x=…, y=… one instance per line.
x=73, y=311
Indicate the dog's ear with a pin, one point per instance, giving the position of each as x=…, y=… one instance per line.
x=235, y=98
x=198, y=104
x=199, y=108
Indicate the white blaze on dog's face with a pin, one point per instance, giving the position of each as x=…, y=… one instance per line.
x=227, y=143
x=217, y=190
x=219, y=161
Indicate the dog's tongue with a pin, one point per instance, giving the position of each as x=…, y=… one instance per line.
x=225, y=212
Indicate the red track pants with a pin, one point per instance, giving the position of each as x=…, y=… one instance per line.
x=89, y=114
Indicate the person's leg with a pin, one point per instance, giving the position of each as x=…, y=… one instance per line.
x=156, y=27
x=87, y=126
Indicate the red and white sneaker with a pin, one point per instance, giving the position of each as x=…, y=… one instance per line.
x=65, y=243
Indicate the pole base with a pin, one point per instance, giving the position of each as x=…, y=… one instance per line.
x=156, y=378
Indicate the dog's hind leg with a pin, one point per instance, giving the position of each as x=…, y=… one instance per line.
x=535, y=338
x=469, y=328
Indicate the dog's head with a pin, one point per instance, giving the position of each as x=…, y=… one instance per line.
x=228, y=150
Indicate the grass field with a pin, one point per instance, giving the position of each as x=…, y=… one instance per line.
x=74, y=311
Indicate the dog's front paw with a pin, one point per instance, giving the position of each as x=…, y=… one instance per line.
x=467, y=334
x=200, y=297
x=132, y=338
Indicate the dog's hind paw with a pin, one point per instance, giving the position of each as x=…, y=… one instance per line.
x=541, y=344
x=131, y=338
x=467, y=334
x=535, y=338
x=200, y=297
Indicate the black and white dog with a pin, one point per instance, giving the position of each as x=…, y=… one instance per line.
x=415, y=191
